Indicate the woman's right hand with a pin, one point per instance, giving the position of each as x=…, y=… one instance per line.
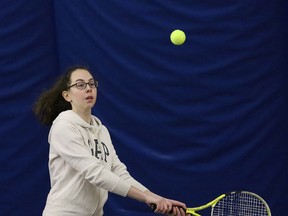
x=160, y=205
x=166, y=206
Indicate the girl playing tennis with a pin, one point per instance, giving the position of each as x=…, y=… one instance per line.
x=83, y=163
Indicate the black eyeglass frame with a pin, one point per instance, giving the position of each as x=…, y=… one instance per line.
x=95, y=82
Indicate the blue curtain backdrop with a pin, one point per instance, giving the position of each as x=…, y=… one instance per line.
x=190, y=121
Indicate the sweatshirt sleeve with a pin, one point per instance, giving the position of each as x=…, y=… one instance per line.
x=121, y=170
x=68, y=142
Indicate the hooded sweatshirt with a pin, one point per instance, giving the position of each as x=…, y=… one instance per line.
x=83, y=167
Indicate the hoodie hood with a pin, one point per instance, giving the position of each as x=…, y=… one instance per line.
x=74, y=118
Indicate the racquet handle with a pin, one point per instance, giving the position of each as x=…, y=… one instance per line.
x=153, y=206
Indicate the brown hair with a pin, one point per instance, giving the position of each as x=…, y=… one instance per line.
x=51, y=102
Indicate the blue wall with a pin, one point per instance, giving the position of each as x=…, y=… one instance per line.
x=190, y=122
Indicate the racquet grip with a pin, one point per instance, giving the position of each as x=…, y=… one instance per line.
x=153, y=206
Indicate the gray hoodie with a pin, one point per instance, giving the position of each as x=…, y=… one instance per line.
x=83, y=167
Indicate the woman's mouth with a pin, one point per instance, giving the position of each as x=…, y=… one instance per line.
x=89, y=98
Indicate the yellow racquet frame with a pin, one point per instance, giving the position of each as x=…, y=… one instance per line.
x=192, y=211
x=250, y=201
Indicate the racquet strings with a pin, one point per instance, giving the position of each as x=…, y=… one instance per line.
x=240, y=204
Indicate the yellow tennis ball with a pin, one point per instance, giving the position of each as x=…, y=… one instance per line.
x=177, y=37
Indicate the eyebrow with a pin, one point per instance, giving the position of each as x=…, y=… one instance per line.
x=81, y=80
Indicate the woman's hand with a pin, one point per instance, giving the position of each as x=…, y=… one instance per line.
x=162, y=205
x=166, y=206
x=178, y=208
x=177, y=211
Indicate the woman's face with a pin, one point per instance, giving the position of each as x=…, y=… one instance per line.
x=81, y=95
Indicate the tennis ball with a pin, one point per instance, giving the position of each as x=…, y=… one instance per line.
x=177, y=37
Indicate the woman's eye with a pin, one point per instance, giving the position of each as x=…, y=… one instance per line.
x=92, y=84
x=81, y=85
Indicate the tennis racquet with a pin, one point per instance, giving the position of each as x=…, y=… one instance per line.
x=237, y=203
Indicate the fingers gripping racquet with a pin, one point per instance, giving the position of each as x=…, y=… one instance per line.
x=238, y=203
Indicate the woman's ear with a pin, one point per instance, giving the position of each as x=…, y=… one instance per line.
x=65, y=95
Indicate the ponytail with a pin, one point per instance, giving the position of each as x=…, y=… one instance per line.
x=51, y=102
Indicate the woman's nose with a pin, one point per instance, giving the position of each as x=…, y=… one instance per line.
x=88, y=88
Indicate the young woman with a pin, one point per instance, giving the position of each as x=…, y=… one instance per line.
x=83, y=163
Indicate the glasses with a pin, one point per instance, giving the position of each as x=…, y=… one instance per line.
x=82, y=85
